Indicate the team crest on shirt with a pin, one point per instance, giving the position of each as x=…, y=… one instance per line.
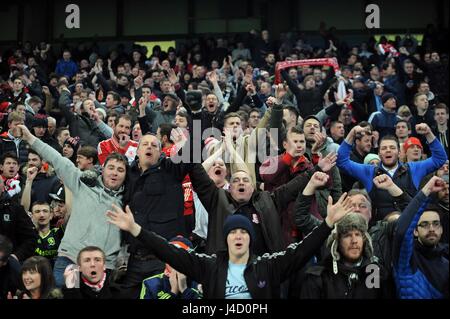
x=51, y=241
x=255, y=218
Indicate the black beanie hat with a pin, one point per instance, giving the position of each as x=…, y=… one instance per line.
x=238, y=220
x=39, y=121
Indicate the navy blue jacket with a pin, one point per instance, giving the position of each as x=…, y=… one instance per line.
x=384, y=122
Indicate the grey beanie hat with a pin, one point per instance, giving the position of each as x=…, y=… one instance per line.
x=351, y=221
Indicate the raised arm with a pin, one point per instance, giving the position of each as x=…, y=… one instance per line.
x=401, y=198
x=403, y=244
x=188, y=263
x=438, y=156
x=142, y=118
x=293, y=87
x=207, y=191
x=64, y=168
x=304, y=220
x=26, y=195
x=209, y=162
x=63, y=102
x=362, y=172
x=212, y=77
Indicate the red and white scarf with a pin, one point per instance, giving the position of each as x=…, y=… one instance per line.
x=96, y=287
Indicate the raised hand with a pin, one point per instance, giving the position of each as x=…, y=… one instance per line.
x=319, y=141
x=383, y=182
x=24, y=132
x=123, y=140
x=138, y=82
x=123, y=219
x=361, y=130
x=10, y=296
x=423, y=129
x=212, y=77
x=271, y=101
x=173, y=78
x=71, y=276
x=280, y=92
x=328, y=162
x=403, y=50
x=319, y=179
x=251, y=88
x=434, y=185
x=179, y=137
x=32, y=173
x=143, y=101
x=228, y=140
x=335, y=212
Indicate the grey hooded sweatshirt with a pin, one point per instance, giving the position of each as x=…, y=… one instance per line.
x=87, y=225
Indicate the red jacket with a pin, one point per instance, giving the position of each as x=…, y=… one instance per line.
x=112, y=146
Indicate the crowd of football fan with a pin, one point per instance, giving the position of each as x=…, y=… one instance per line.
x=193, y=173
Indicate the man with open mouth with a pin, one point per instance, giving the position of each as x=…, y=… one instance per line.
x=155, y=193
x=407, y=176
x=89, y=279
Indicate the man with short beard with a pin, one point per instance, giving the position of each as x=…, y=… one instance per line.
x=420, y=261
x=120, y=142
x=342, y=274
x=406, y=176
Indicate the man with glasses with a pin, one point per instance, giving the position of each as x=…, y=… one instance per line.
x=420, y=261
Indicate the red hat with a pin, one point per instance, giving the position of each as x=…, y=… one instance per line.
x=412, y=141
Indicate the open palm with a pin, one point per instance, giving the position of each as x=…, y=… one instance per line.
x=328, y=162
x=122, y=219
x=342, y=207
